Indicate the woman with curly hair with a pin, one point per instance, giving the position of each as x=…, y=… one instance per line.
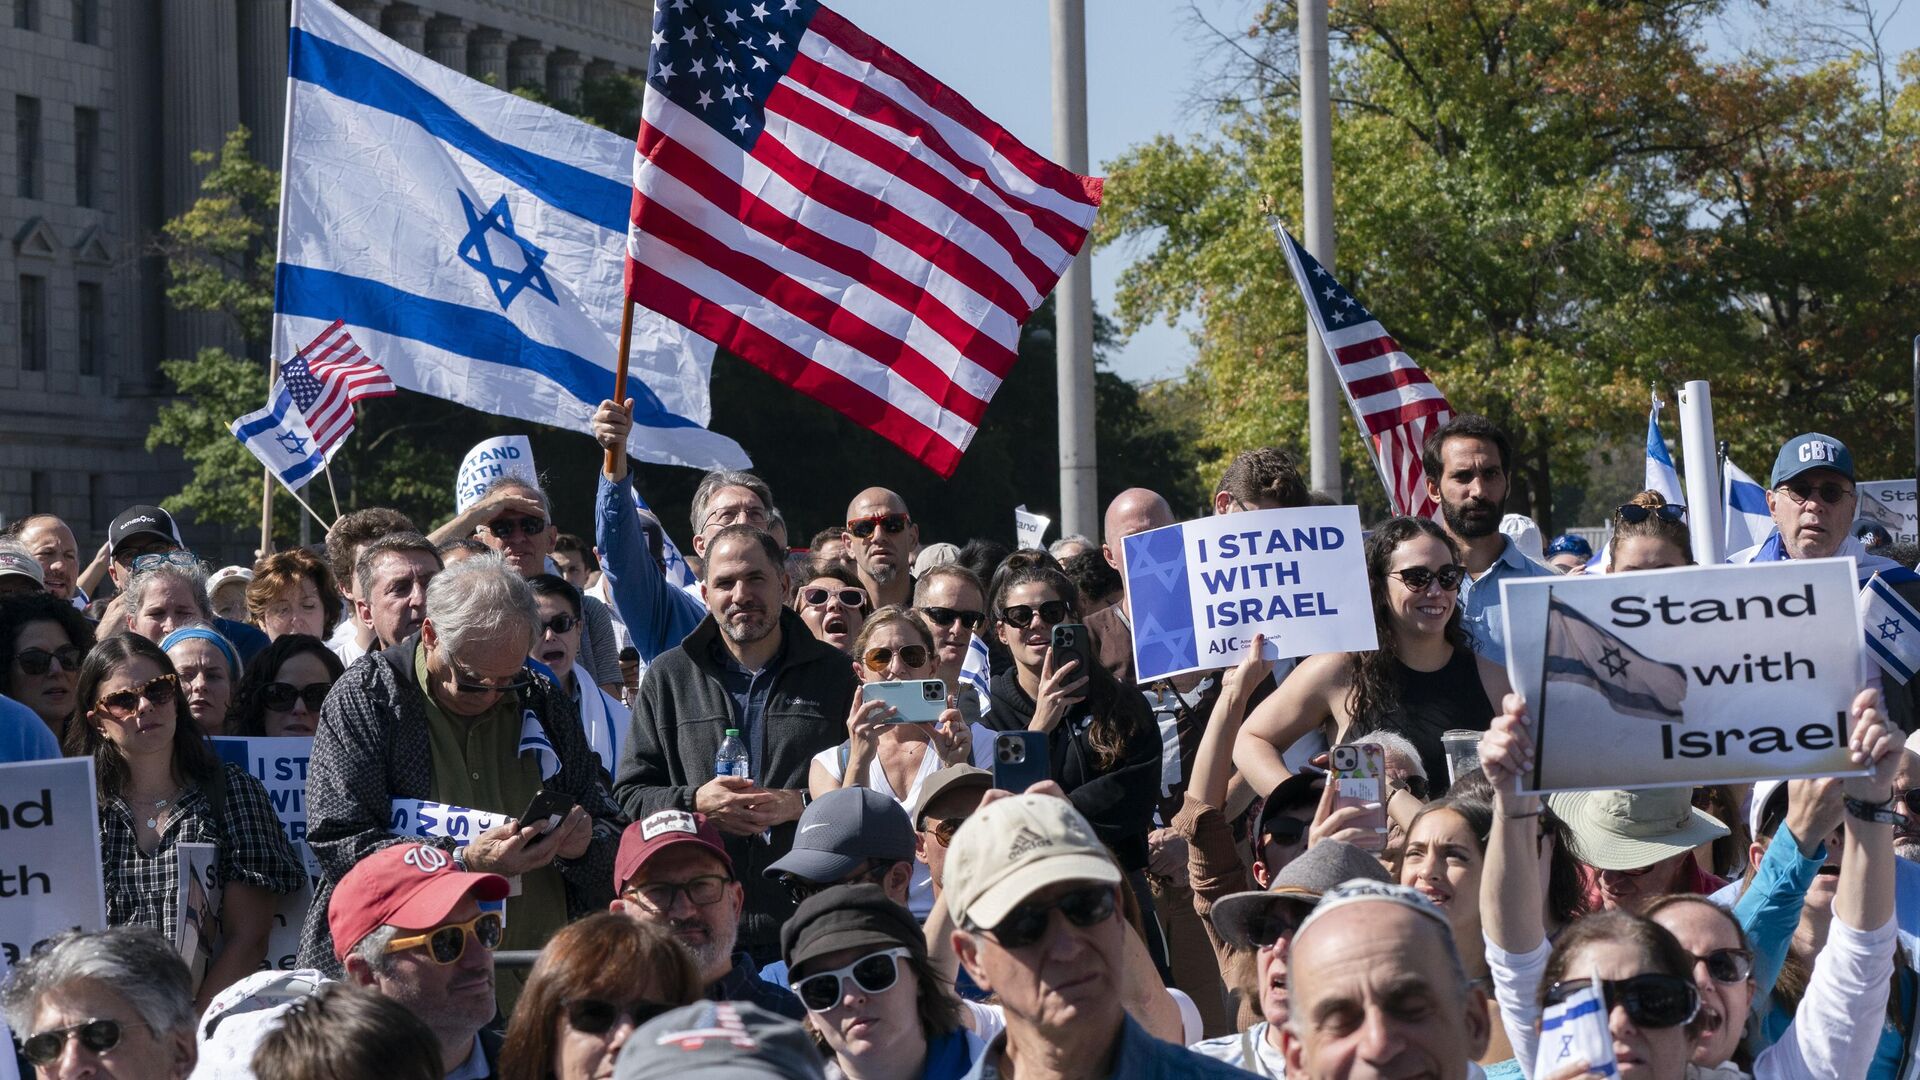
x=292, y=592
x=42, y=641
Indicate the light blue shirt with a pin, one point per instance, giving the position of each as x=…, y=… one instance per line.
x=1140, y=1057
x=22, y=735
x=1480, y=601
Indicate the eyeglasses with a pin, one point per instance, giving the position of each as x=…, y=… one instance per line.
x=591, y=1016
x=158, y=692
x=1634, y=513
x=1052, y=612
x=1829, y=492
x=734, y=515
x=469, y=685
x=874, y=973
x=1727, y=965
x=97, y=1036
x=180, y=557
x=1652, y=1000
x=447, y=944
x=894, y=524
x=700, y=891
x=1417, y=578
x=944, y=830
x=943, y=617
x=40, y=661
x=280, y=696
x=801, y=889
x=1027, y=923
x=1637, y=872
x=879, y=657
x=818, y=595
x=559, y=624
x=504, y=528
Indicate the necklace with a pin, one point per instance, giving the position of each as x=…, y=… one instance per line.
x=158, y=806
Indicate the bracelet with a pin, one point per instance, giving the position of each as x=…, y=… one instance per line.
x=1880, y=813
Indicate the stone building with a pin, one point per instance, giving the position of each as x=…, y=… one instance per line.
x=102, y=105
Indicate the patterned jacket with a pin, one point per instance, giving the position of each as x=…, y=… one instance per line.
x=371, y=748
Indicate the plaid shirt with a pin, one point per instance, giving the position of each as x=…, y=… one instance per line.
x=144, y=890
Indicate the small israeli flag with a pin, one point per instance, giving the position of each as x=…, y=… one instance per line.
x=1576, y=1030
x=279, y=437
x=1892, y=629
x=533, y=740
x=678, y=572
x=977, y=671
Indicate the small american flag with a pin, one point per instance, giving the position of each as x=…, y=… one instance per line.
x=815, y=204
x=327, y=377
x=1392, y=399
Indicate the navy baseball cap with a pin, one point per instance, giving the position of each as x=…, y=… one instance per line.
x=1813, y=450
x=1569, y=544
x=842, y=829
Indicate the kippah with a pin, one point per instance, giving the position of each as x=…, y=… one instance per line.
x=1364, y=890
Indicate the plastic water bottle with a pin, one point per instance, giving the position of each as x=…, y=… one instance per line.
x=731, y=759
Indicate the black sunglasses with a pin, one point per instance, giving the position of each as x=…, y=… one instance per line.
x=800, y=889
x=1052, y=612
x=1727, y=965
x=863, y=528
x=1652, y=1000
x=1911, y=800
x=1027, y=923
x=97, y=1036
x=591, y=1016
x=1418, y=578
x=874, y=973
x=1634, y=514
x=1829, y=492
x=40, y=661
x=280, y=696
x=559, y=624
x=462, y=684
x=1267, y=928
x=502, y=528
x=943, y=617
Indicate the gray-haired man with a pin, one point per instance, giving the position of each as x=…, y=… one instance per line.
x=115, y=1003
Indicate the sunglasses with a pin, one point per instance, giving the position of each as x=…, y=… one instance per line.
x=447, y=944
x=182, y=558
x=880, y=656
x=1052, y=612
x=96, y=1036
x=1027, y=923
x=1285, y=830
x=1634, y=514
x=944, y=830
x=1652, y=1000
x=818, y=595
x=40, y=661
x=591, y=1016
x=159, y=691
x=800, y=889
x=502, y=528
x=943, y=617
x=700, y=891
x=1417, y=578
x=559, y=624
x=1911, y=800
x=1727, y=965
x=874, y=973
x=863, y=528
x=1829, y=492
x=280, y=696
x=473, y=686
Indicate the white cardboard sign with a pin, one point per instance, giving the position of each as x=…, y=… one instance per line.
x=503, y=455
x=50, y=874
x=281, y=767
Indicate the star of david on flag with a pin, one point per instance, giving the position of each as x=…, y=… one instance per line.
x=477, y=251
x=1581, y=651
x=1893, y=629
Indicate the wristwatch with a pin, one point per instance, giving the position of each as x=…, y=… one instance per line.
x=1880, y=813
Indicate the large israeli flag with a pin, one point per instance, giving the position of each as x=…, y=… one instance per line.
x=1748, y=521
x=1661, y=475
x=471, y=240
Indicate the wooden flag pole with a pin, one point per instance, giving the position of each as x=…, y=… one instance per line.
x=266, y=514
x=620, y=375
x=327, y=467
x=316, y=514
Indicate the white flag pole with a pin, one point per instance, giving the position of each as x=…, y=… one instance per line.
x=1704, y=501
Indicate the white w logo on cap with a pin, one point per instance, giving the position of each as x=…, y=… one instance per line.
x=425, y=858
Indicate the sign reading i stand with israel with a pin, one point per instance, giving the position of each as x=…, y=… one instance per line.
x=1696, y=675
x=281, y=766
x=50, y=873
x=502, y=455
x=472, y=240
x=1890, y=504
x=1200, y=590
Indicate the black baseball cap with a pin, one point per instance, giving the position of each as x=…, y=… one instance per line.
x=142, y=521
x=1302, y=789
x=845, y=917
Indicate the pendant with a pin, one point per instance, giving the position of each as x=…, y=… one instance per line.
x=153, y=823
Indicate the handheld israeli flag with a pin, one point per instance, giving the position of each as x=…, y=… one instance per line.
x=1575, y=1029
x=279, y=437
x=1661, y=475
x=1748, y=520
x=977, y=671
x=678, y=572
x=1892, y=627
x=533, y=740
x=473, y=240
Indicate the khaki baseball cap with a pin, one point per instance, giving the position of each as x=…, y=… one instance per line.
x=1015, y=847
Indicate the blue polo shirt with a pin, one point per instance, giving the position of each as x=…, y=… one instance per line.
x=1480, y=601
x=23, y=737
x=1140, y=1057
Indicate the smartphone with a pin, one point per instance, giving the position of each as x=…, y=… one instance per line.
x=548, y=806
x=1070, y=642
x=1020, y=760
x=1359, y=771
x=914, y=701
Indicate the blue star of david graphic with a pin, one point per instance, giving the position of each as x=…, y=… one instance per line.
x=1890, y=628
x=1151, y=635
x=293, y=444
x=475, y=252
x=1166, y=564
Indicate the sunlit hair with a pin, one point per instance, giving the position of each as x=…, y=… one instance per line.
x=1654, y=527
x=283, y=570
x=895, y=615
x=481, y=598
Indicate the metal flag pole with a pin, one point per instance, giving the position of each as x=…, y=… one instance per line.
x=1316, y=226
x=1073, y=297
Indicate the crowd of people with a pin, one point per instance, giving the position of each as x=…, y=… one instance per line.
x=722, y=847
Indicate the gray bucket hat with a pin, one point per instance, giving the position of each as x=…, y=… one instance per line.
x=1626, y=830
x=1303, y=881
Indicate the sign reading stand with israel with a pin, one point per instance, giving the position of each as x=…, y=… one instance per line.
x=1696, y=675
x=1200, y=590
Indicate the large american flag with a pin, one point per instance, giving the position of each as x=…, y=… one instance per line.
x=815, y=204
x=1395, y=403
x=326, y=378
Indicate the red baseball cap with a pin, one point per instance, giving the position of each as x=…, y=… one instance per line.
x=411, y=886
x=647, y=837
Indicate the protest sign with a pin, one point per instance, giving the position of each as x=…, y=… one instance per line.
x=197, y=934
x=281, y=767
x=1696, y=675
x=50, y=876
x=1029, y=529
x=1889, y=504
x=426, y=819
x=1200, y=590
x=503, y=455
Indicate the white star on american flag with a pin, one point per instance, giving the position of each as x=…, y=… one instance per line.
x=759, y=12
x=1330, y=293
x=740, y=124
x=699, y=67
x=705, y=100
x=1339, y=316
x=776, y=42
x=733, y=18
x=690, y=36
x=663, y=72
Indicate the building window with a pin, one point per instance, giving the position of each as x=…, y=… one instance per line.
x=39, y=492
x=26, y=144
x=26, y=14
x=86, y=154
x=86, y=21
x=93, y=331
x=99, y=514
x=33, y=323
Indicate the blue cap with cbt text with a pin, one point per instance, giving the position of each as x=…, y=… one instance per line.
x=1811, y=451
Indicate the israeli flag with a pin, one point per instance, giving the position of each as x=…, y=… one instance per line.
x=279, y=437
x=1748, y=521
x=533, y=740
x=678, y=572
x=1661, y=475
x=1892, y=627
x=977, y=671
x=473, y=240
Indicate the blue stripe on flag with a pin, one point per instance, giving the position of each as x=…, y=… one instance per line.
x=1584, y=1008
x=282, y=401
x=1747, y=498
x=485, y=336
x=360, y=78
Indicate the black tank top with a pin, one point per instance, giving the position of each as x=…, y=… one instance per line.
x=1435, y=702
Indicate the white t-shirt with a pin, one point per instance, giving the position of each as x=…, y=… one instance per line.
x=920, y=892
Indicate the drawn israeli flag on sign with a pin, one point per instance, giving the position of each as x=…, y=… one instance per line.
x=473, y=240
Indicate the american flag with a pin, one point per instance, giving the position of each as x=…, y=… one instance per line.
x=327, y=377
x=1395, y=403
x=820, y=207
